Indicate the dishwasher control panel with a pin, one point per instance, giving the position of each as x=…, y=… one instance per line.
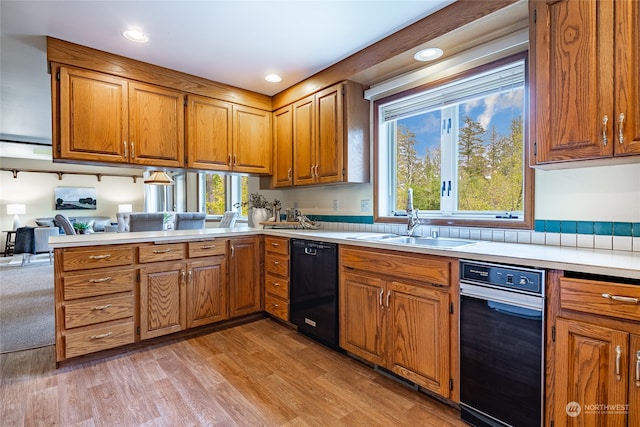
x=517, y=278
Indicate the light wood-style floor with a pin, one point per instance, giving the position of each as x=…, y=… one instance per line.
x=257, y=374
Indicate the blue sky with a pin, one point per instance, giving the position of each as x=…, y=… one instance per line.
x=491, y=110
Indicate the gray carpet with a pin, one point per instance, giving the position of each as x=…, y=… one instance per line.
x=26, y=306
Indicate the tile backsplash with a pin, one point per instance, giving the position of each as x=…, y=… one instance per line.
x=623, y=236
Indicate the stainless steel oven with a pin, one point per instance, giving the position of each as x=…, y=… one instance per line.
x=501, y=344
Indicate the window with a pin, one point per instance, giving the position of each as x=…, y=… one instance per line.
x=220, y=192
x=460, y=146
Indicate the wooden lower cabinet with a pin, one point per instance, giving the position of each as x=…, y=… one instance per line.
x=206, y=291
x=401, y=325
x=596, y=360
x=276, y=279
x=245, y=283
x=162, y=299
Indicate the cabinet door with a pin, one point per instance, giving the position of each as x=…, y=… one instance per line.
x=162, y=297
x=591, y=369
x=329, y=135
x=573, y=79
x=251, y=140
x=362, y=316
x=93, y=116
x=627, y=78
x=419, y=335
x=245, y=287
x=283, y=147
x=206, y=291
x=209, y=133
x=634, y=382
x=304, y=141
x=156, y=126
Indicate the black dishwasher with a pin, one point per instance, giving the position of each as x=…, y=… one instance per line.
x=313, y=290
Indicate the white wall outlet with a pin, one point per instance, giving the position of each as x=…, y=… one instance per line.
x=364, y=205
x=336, y=205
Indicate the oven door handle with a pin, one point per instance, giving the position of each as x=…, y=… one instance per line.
x=532, y=302
x=514, y=311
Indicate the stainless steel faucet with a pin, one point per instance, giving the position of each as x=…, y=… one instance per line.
x=414, y=222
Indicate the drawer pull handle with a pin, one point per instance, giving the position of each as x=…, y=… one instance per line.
x=161, y=251
x=276, y=284
x=207, y=247
x=102, y=280
x=276, y=262
x=638, y=369
x=105, y=256
x=275, y=305
x=101, y=307
x=621, y=298
x=274, y=244
x=618, y=362
x=98, y=337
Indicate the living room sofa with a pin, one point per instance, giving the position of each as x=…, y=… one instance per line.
x=99, y=222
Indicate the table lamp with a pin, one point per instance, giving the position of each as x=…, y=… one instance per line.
x=16, y=209
x=125, y=208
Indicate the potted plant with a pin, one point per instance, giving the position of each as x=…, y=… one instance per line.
x=259, y=208
x=81, y=227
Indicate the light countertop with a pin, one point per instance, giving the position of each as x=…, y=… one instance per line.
x=594, y=261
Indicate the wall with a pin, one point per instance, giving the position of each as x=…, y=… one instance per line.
x=36, y=190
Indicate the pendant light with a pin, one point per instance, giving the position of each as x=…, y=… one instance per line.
x=158, y=178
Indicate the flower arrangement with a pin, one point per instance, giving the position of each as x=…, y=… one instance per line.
x=257, y=200
x=81, y=227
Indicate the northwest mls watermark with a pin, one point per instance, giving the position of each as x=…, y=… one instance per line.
x=574, y=408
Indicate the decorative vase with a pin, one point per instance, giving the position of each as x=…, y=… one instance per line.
x=257, y=215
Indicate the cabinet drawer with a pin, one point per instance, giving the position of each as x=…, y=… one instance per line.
x=97, y=310
x=207, y=248
x=423, y=268
x=277, y=264
x=91, y=340
x=278, y=245
x=155, y=253
x=104, y=256
x=276, y=307
x=96, y=284
x=608, y=299
x=276, y=286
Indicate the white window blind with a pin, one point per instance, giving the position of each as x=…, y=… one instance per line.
x=498, y=80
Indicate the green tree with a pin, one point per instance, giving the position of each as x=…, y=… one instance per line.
x=472, y=165
x=215, y=194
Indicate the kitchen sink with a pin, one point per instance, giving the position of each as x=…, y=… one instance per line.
x=440, y=242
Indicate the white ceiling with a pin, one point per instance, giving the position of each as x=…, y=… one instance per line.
x=233, y=42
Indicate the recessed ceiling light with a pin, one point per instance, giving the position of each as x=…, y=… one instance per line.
x=428, y=54
x=135, y=36
x=273, y=78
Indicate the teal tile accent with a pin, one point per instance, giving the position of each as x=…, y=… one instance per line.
x=636, y=229
x=585, y=227
x=538, y=225
x=552, y=226
x=603, y=228
x=569, y=227
x=342, y=218
x=622, y=229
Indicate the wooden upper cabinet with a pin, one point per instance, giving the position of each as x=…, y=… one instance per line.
x=329, y=135
x=156, y=125
x=585, y=78
x=304, y=141
x=208, y=133
x=93, y=116
x=283, y=147
x=251, y=140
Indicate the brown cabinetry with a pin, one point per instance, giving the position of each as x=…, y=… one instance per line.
x=162, y=299
x=597, y=354
x=323, y=138
x=245, y=277
x=104, y=118
x=227, y=137
x=94, y=300
x=276, y=280
x=585, y=76
x=399, y=316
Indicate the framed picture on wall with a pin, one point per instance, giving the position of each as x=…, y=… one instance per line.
x=75, y=198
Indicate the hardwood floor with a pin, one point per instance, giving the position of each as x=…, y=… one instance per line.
x=257, y=374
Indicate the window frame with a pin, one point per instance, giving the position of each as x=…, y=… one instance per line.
x=232, y=190
x=526, y=222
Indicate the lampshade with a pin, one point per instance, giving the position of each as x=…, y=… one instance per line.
x=158, y=178
x=125, y=208
x=16, y=209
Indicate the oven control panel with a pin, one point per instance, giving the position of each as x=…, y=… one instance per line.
x=503, y=276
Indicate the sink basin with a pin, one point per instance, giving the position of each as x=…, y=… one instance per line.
x=441, y=242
